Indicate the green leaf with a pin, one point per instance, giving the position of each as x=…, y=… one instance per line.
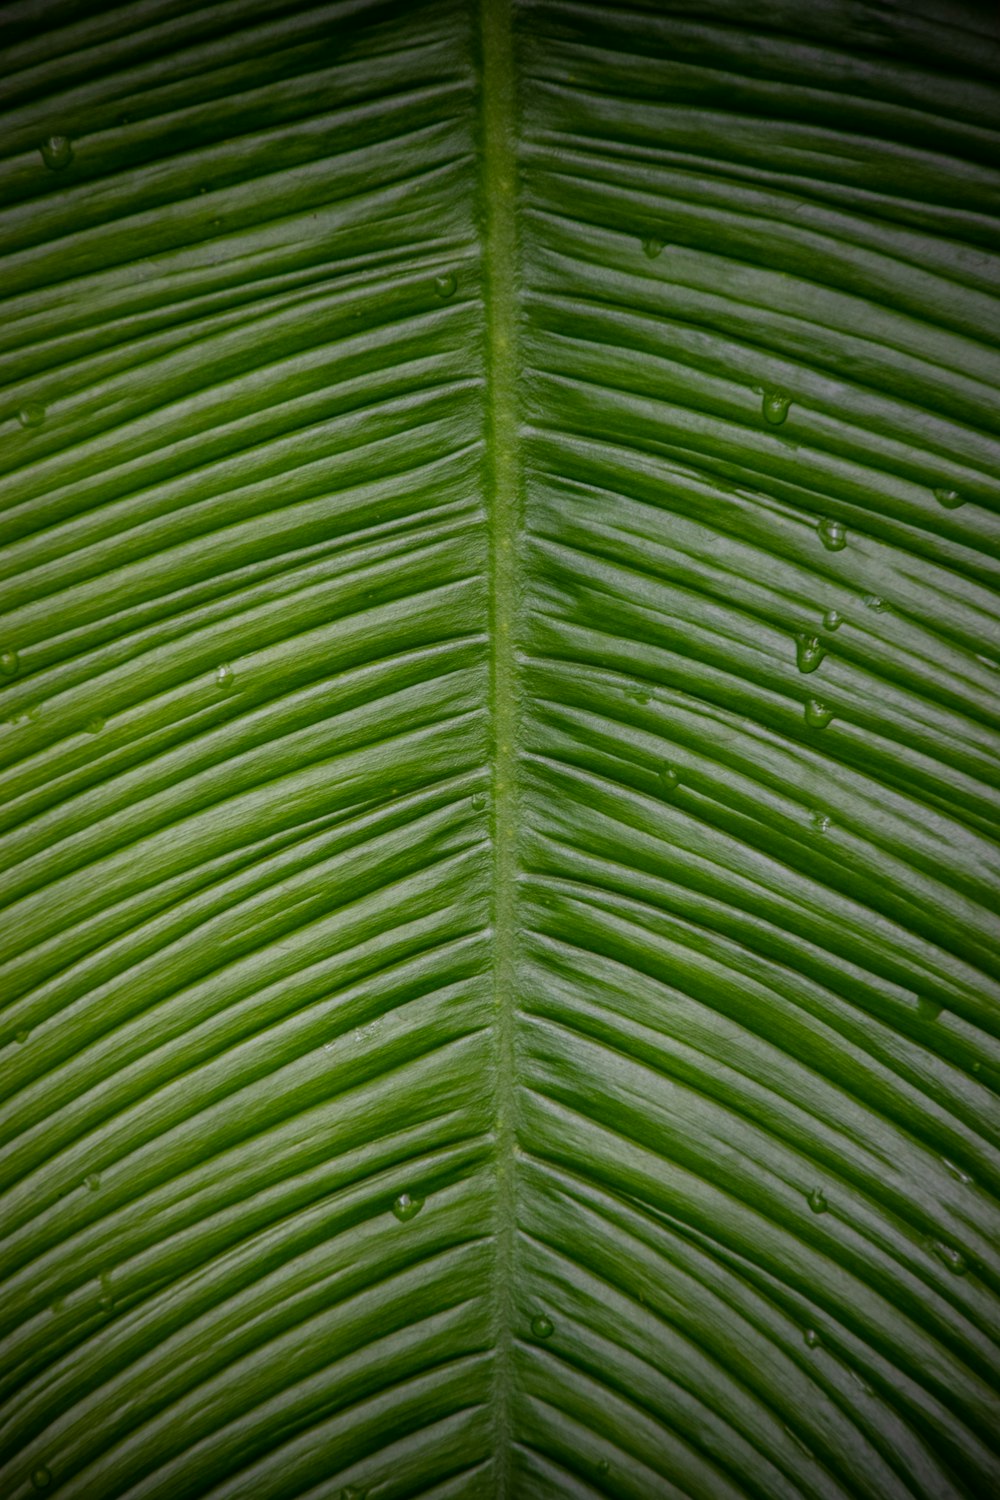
x=499, y=656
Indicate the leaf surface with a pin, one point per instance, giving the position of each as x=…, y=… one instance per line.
x=499, y=766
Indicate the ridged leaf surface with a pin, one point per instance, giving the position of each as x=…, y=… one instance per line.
x=499, y=763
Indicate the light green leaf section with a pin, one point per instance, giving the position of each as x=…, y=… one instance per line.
x=499, y=766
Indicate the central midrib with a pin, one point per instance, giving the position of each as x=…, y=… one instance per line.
x=498, y=186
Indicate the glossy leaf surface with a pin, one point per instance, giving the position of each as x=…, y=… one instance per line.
x=499, y=753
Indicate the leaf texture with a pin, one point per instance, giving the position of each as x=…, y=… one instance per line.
x=499, y=776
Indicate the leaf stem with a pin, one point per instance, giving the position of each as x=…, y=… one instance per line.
x=498, y=188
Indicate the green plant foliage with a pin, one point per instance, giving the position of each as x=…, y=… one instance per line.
x=499, y=692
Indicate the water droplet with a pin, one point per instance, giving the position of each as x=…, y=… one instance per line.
x=636, y=695
x=94, y=1181
x=832, y=534
x=669, y=778
x=9, y=663
x=950, y=1257
x=956, y=1171
x=950, y=499
x=446, y=285
x=927, y=1009
x=41, y=1478
x=94, y=725
x=407, y=1207
x=818, y=715
x=224, y=675
x=774, y=407
x=58, y=1306
x=478, y=800
x=22, y=1035
x=57, y=152
x=812, y=1338
x=31, y=414
x=603, y=1466
x=652, y=247
x=876, y=602
x=809, y=653
x=542, y=1327
x=106, y=1300
x=821, y=822
x=351, y=1492
x=817, y=1201
x=832, y=620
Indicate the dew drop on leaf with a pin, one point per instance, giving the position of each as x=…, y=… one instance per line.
x=821, y=822
x=812, y=1338
x=603, y=1466
x=446, y=285
x=832, y=620
x=652, y=247
x=94, y=725
x=542, y=1327
x=774, y=407
x=407, y=1207
x=950, y=1257
x=41, y=1478
x=876, y=602
x=818, y=715
x=956, y=1171
x=950, y=499
x=94, y=1181
x=9, y=663
x=57, y=152
x=31, y=414
x=809, y=653
x=224, y=675
x=817, y=1201
x=478, y=800
x=669, y=778
x=832, y=534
